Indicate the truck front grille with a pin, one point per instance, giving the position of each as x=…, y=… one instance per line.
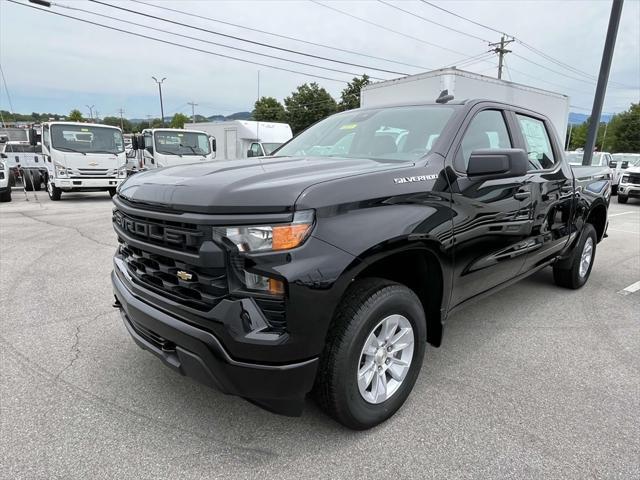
x=634, y=178
x=197, y=287
x=184, y=237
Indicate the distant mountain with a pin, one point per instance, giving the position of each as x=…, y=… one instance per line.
x=578, y=118
x=200, y=118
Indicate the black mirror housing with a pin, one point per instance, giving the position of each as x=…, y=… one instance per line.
x=498, y=163
x=33, y=137
x=249, y=153
x=213, y=145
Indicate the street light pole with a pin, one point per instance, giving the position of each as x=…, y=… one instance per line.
x=159, y=82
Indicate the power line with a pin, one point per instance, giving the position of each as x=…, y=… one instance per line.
x=6, y=89
x=307, y=42
x=527, y=46
x=465, y=18
x=189, y=37
x=554, y=71
x=180, y=45
x=433, y=22
x=266, y=45
x=387, y=28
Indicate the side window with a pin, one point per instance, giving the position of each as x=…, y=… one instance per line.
x=487, y=130
x=256, y=150
x=46, y=137
x=537, y=143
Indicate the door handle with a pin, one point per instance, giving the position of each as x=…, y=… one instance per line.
x=522, y=195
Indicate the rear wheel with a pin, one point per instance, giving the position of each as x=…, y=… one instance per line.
x=373, y=355
x=614, y=189
x=54, y=192
x=575, y=272
x=622, y=199
x=37, y=182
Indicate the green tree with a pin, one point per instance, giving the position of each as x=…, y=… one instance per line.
x=308, y=104
x=579, y=135
x=625, y=131
x=178, y=120
x=350, y=96
x=127, y=127
x=268, y=109
x=75, y=115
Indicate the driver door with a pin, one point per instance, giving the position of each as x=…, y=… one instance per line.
x=492, y=218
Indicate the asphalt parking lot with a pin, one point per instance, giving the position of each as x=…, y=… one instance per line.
x=534, y=382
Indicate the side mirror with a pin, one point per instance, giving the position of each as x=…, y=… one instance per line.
x=213, y=145
x=613, y=164
x=4, y=155
x=249, y=153
x=134, y=142
x=497, y=163
x=625, y=165
x=33, y=137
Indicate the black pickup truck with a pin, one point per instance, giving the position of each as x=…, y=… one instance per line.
x=327, y=267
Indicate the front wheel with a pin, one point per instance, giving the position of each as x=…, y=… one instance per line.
x=575, y=272
x=373, y=354
x=112, y=192
x=6, y=195
x=622, y=199
x=54, y=192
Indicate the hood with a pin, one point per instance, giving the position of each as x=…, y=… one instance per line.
x=256, y=185
x=91, y=161
x=633, y=170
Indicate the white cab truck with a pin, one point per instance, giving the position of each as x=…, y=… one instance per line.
x=82, y=157
x=167, y=147
x=462, y=85
x=24, y=159
x=629, y=165
x=244, y=138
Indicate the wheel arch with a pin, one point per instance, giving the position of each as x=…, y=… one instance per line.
x=420, y=266
x=597, y=216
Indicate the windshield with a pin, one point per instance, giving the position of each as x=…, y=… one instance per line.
x=395, y=134
x=86, y=139
x=270, y=147
x=630, y=159
x=182, y=143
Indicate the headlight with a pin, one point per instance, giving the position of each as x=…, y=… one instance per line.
x=122, y=171
x=61, y=170
x=625, y=179
x=270, y=237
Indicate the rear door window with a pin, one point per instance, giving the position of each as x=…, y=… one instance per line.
x=537, y=142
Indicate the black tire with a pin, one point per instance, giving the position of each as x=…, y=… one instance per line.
x=614, y=189
x=54, y=192
x=112, y=192
x=27, y=181
x=37, y=182
x=12, y=179
x=365, y=305
x=6, y=195
x=622, y=199
x=567, y=273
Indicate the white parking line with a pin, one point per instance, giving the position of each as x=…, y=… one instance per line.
x=623, y=213
x=620, y=230
x=634, y=287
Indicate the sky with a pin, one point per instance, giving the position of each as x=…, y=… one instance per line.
x=55, y=64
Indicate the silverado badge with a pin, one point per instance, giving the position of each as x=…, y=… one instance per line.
x=93, y=164
x=182, y=275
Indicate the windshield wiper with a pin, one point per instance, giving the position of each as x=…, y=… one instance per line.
x=166, y=152
x=192, y=149
x=67, y=149
x=102, y=151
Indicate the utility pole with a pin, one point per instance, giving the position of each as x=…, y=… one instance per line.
x=90, y=111
x=121, y=112
x=501, y=51
x=159, y=82
x=193, y=111
x=603, y=79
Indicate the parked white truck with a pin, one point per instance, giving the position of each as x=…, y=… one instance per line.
x=5, y=185
x=82, y=157
x=25, y=160
x=244, y=138
x=167, y=147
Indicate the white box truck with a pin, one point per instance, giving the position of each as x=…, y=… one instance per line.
x=426, y=87
x=168, y=147
x=245, y=138
x=82, y=157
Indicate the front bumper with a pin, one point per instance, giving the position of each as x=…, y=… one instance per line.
x=197, y=353
x=88, y=183
x=629, y=190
